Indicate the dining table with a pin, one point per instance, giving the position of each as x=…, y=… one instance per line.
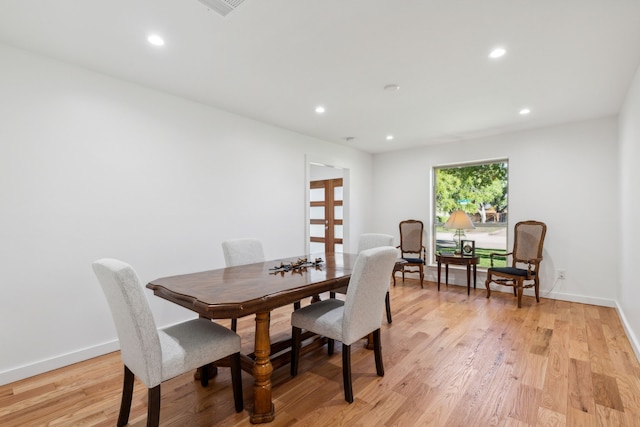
x=257, y=289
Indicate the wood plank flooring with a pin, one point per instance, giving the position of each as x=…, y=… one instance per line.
x=450, y=360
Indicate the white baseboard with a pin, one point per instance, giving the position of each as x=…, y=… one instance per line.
x=32, y=369
x=633, y=339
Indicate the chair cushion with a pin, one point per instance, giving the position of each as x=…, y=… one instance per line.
x=323, y=318
x=414, y=260
x=194, y=343
x=512, y=271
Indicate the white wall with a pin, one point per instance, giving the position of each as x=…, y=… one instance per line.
x=629, y=294
x=94, y=167
x=565, y=176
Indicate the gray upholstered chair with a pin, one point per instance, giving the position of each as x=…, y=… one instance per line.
x=242, y=252
x=156, y=355
x=375, y=240
x=350, y=320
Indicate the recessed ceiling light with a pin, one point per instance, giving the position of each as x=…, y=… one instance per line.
x=389, y=137
x=155, y=40
x=524, y=111
x=319, y=109
x=497, y=52
x=392, y=87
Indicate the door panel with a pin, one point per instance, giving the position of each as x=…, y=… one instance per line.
x=326, y=215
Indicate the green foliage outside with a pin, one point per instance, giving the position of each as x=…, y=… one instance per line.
x=471, y=188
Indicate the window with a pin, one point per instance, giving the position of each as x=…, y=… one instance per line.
x=480, y=190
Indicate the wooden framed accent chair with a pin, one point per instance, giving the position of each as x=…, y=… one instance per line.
x=525, y=260
x=156, y=355
x=411, y=248
x=357, y=316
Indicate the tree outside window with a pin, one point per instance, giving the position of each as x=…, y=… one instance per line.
x=481, y=191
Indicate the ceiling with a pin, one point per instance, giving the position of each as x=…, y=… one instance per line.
x=276, y=60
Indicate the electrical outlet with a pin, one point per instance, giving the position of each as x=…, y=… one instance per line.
x=561, y=274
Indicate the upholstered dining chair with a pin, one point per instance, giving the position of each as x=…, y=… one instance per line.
x=242, y=252
x=357, y=316
x=156, y=355
x=411, y=248
x=525, y=260
x=375, y=240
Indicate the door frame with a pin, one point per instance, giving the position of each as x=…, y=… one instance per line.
x=313, y=160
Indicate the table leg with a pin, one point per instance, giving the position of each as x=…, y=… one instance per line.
x=474, y=275
x=263, y=410
x=469, y=279
x=446, y=274
x=439, y=264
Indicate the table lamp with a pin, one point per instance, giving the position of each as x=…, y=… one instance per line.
x=459, y=220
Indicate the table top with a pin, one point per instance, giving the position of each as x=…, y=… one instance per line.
x=457, y=258
x=238, y=291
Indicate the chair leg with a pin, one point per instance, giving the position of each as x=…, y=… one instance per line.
x=295, y=350
x=537, y=288
x=236, y=382
x=387, y=302
x=330, y=346
x=422, y=277
x=296, y=305
x=127, y=394
x=153, y=407
x=520, y=289
x=377, y=352
x=234, y=324
x=204, y=375
x=486, y=285
x=346, y=373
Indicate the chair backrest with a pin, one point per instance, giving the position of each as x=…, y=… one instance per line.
x=528, y=241
x=411, y=231
x=139, y=341
x=369, y=283
x=374, y=240
x=242, y=251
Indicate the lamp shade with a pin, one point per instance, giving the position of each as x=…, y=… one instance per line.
x=459, y=220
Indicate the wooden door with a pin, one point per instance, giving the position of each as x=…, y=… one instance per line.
x=326, y=215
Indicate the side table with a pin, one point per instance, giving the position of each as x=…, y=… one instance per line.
x=454, y=259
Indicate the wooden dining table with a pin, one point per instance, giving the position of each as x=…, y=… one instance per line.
x=256, y=289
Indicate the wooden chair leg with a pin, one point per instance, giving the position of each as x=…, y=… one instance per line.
x=234, y=324
x=236, y=382
x=346, y=373
x=296, y=305
x=377, y=352
x=295, y=350
x=153, y=407
x=332, y=295
x=127, y=394
x=537, y=289
x=519, y=294
x=422, y=277
x=387, y=303
x=330, y=346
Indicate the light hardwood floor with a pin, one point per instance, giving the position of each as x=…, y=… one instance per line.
x=450, y=360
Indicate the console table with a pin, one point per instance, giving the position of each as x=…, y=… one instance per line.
x=467, y=260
